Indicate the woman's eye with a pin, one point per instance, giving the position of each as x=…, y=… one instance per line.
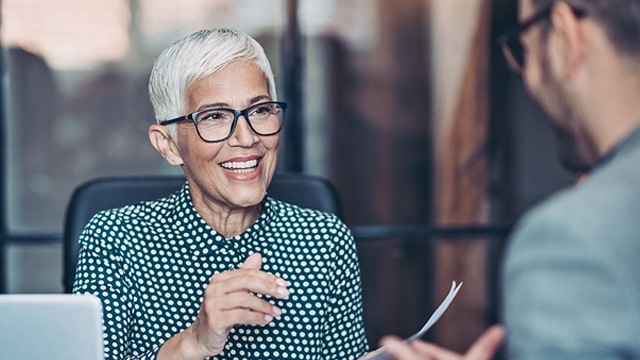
x=213, y=116
x=263, y=110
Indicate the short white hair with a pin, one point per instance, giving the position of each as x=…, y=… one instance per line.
x=196, y=57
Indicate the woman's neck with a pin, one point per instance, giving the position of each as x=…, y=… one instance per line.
x=226, y=220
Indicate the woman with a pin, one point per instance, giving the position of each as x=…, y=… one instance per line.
x=219, y=270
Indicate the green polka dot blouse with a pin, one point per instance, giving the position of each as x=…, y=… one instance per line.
x=150, y=262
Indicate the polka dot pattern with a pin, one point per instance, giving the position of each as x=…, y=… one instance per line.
x=150, y=262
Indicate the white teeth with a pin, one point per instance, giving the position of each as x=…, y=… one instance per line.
x=240, y=165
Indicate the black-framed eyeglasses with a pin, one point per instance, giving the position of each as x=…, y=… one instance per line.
x=218, y=124
x=512, y=47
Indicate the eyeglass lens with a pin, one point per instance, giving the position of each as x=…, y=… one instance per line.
x=217, y=124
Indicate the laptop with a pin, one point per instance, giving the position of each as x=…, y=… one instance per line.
x=50, y=326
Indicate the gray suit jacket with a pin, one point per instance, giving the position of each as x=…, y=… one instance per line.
x=572, y=272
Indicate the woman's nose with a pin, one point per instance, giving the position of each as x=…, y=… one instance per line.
x=243, y=135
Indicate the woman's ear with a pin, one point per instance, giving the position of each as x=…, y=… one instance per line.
x=161, y=139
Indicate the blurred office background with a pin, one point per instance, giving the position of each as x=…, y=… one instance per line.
x=405, y=105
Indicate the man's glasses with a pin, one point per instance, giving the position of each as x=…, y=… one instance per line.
x=512, y=47
x=218, y=124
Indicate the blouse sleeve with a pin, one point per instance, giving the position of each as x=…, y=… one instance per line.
x=101, y=272
x=344, y=328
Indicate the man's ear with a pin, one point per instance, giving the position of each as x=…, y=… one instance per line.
x=570, y=47
x=161, y=139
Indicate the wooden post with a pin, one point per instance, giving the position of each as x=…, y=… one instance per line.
x=461, y=170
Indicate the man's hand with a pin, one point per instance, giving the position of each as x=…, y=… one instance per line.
x=484, y=348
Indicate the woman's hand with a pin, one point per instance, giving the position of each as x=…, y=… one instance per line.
x=229, y=300
x=484, y=348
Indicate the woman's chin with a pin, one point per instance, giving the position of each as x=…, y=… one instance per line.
x=248, y=199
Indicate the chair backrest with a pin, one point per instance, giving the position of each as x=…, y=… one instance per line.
x=304, y=190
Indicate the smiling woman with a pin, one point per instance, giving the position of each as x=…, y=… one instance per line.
x=218, y=188
x=218, y=268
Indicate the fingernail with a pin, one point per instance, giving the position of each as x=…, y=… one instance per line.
x=281, y=282
x=283, y=291
x=268, y=317
x=276, y=311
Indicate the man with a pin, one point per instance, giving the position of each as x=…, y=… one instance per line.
x=572, y=271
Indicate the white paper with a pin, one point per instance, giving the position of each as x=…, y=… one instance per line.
x=382, y=355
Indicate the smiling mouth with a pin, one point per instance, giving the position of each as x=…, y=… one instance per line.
x=240, y=167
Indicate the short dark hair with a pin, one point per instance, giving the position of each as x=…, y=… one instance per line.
x=619, y=18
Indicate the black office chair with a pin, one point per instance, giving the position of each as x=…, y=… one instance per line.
x=105, y=193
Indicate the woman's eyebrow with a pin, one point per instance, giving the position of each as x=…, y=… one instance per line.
x=214, y=105
x=258, y=98
x=226, y=106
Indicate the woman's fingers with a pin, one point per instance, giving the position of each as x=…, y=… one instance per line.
x=247, y=317
x=242, y=288
x=254, y=261
x=242, y=300
x=248, y=278
x=234, y=297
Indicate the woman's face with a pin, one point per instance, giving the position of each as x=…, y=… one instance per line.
x=235, y=173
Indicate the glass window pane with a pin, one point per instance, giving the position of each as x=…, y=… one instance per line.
x=76, y=90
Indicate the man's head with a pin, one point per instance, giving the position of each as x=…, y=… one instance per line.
x=568, y=49
x=620, y=20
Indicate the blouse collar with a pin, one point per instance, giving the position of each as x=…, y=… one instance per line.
x=202, y=239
